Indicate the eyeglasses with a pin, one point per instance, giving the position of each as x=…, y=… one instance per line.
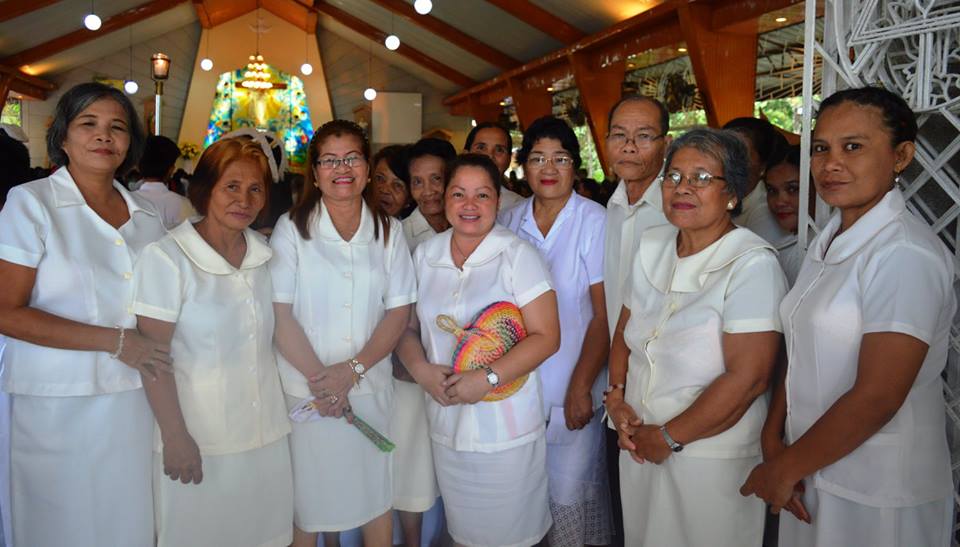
x=700, y=179
x=640, y=140
x=333, y=163
x=560, y=162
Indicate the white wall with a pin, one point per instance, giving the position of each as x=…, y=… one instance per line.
x=349, y=72
x=180, y=45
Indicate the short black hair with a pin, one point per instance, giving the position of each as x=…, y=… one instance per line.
x=763, y=136
x=486, y=125
x=469, y=159
x=73, y=102
x=159, y=156
x=15, y=159
x=898, y=117
x=634, y=97
x=432, y=146
x=789, y=155
x=725, y=147
x=550, y=127
x=395, y=156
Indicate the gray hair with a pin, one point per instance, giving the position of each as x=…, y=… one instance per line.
x=73, y=102
x=727, y=148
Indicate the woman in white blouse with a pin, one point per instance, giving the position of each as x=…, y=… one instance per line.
x=81, y=425
x=782, y=183
x=426, y=165
x=222, y=436
x=342, y=288
x=692, y=355
x=855, y=445
x=489, y=455
x=568, y=230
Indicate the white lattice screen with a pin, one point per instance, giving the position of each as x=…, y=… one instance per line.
x=911, y=47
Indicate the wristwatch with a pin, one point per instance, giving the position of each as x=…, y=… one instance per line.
x=492, y=377
x=358, y=368
x=674, y=445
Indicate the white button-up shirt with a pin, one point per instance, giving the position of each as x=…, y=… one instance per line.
x=508, y=199
x=416, y=229
x=680, y=309
x=625, y=223
x=573, y=250
x=757, y=217
x=222, y=347
x=503, y=268
x=173, y=207
x=84, y=270
x=886, y=273
x=340, y=290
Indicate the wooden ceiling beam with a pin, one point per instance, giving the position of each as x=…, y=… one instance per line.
x=31, y=86
x=11, y=9
x=202, y=14
x=450, y=33
x=77, y=37
x=728, y=16
x=377, y=35
x=541, y=19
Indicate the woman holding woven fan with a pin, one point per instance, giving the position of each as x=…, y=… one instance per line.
x=486, y=421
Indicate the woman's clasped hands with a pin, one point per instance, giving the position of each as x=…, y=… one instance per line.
x=331, y=386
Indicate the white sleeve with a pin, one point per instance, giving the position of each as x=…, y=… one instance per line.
x=753, y=294
x=157, y=285
x=592, y=253
x=283, y=264
x=905, y=289
x=23, y=229
x=401, y=280
x=531, y=276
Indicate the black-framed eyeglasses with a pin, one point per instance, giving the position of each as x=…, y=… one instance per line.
x=640, y=140
x=333, y=163
x=700, y=179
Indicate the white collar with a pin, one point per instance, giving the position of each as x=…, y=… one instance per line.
x=652, y=197
x=668, y=272
x=67, y=194
x=209, y=260
x=326, y=230
x=495, y=242
x=418, y=223
x=153, y=185
x=862, y=232
x=528, y=223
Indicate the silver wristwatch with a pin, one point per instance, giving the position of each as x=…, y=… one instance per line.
x=674, y=445
x=492, y=377
x=358, y=368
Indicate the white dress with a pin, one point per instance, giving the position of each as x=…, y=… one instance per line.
x=576, y=460
x=755, y=215
x=340, y=290
x=229, y=392
x=489, y=456
x=77, y=410
x=886, y=273
x=173, y=207
x=680, y=308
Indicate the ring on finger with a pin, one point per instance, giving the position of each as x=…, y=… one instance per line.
x=334, y=398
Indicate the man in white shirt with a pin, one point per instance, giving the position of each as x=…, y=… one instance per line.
x=157, y=164
x=493, y=140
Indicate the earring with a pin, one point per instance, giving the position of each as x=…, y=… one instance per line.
x=731, y=204
x=897, y=179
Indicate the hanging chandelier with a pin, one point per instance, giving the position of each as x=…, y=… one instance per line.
x=256, y=76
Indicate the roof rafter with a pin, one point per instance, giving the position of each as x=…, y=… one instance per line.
x=10, y=9
x=450, y=34
x=77, y=37
x=540, y=19
x=26, y=84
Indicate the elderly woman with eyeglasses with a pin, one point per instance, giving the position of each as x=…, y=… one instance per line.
x=568, y=229
x=692, y=353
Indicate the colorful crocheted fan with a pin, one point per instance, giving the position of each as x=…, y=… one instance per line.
x=492, y=332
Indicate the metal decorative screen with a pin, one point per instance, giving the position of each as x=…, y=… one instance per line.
x=911, y=47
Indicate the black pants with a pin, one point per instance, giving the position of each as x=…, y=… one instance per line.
x=613, y=473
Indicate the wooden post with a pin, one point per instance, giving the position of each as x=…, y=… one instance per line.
x=724, y=63
x=600, y=89
x=530, y=104
x=483, y=112
x=5, y=81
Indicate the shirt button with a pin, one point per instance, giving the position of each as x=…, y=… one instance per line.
x=251, y=336
x=347, y=339
x=118, y=242
x=127, y=275
x=347, y=305
x=348, y=275
x=456, y=293
x=255, y=404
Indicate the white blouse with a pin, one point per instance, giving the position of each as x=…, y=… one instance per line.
x=222, y=346
x=340, y=290
x=756, y=216
x=502, y=268
x=625, y=223
x=573, y=250
x=886, y=273
x=680, y=309
x=84, y=272
x=416, y=229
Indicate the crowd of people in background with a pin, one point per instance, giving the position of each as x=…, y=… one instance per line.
x=244, y=356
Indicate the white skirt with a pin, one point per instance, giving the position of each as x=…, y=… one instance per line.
x=245, y=499
x=839, y=521
x=414, y=481
x=579, y=490
x=495, y=499
x=80, y=470
x=341, y=479
x=689, y=501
